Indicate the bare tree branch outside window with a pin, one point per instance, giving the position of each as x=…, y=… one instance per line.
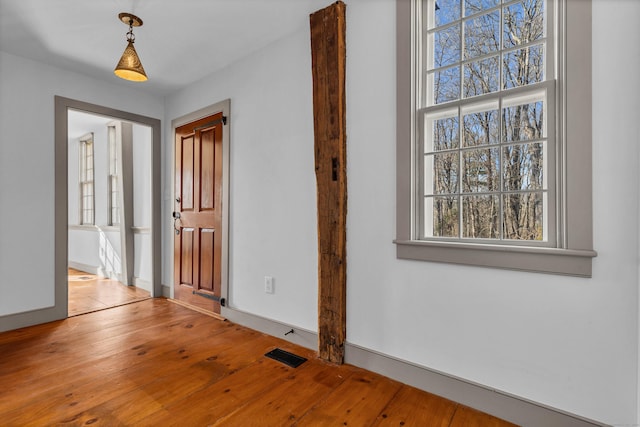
x=484, y=161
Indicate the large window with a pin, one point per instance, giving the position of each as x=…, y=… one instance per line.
x=86, y=180
x=488, y=80
x=486, y=134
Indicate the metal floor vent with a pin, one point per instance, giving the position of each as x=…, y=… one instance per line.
x=285, y=357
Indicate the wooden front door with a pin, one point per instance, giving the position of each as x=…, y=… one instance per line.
x=198, y=213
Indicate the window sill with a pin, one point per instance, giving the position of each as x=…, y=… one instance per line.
x=96, y=228
x=571, y=262
x=85, y=227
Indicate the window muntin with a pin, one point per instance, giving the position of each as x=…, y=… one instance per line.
x=86, y=181
x=488, y=93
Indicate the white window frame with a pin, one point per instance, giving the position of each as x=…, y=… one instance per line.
x=569, y=248
x=87, y=201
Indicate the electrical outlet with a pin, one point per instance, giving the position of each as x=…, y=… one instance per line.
x=268, y=284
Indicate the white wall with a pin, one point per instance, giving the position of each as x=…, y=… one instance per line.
x=141, y=148
x=27, y=90
x=272, y=182
x=143, y=266
x=566, y=342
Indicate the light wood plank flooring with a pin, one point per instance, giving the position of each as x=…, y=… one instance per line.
x=156, y=363
x=88, y=292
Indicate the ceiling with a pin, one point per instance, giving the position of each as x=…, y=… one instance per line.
x=180, y=42
x=80, y=123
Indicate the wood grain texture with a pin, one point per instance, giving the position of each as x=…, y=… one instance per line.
x=467, y=417
x=154, y=363
x=328, y=58
x=434, y=411
x=198, y=190
x=88, y=292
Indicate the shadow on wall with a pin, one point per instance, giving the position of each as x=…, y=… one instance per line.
x=110, y=263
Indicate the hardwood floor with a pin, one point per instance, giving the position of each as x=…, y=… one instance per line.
x=156, y=363
x=88, y=292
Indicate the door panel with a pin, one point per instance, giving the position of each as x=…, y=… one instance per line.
x=198, y=184
x=187, y=173
x=207, y=264
x=186, y=268
x=208, y=169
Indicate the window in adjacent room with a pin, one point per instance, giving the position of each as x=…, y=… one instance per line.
x=87, y=203
x=113, y=196
x=489, y=140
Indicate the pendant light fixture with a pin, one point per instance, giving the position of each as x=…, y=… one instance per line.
x=129, y=67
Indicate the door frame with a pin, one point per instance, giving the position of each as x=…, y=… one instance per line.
x=223, y=107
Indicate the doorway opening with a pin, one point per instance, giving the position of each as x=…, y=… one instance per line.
x=107, y=248
x=109, y=198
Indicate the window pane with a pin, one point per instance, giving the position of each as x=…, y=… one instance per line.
x=523, y=22
x=523, y=167
x=112, y=150
x=446, y=85
x=446, y=11
x=445, y=172
x=481, y=77
x=523, y=122
x=481, y=170
x=523, y=216
x=446, y=134
x=481, y=128
x=482, y=35
x=475, y=6
x=443, y=213
x=480, y=217
x=446, y=47
x=523, y=67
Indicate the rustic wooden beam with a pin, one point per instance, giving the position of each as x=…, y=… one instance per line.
x=328, y=57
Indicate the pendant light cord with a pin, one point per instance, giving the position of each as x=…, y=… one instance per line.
x=130, y=36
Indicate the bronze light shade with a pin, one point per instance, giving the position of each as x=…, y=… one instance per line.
x=129, y=67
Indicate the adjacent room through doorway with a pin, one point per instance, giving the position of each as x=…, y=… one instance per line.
x=109, y=212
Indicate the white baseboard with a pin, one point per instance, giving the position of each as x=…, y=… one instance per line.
x=166, y=291
x=85, y=267
x=301, y=337
x=142, y=284
x=495, y=402
x=499, y=404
